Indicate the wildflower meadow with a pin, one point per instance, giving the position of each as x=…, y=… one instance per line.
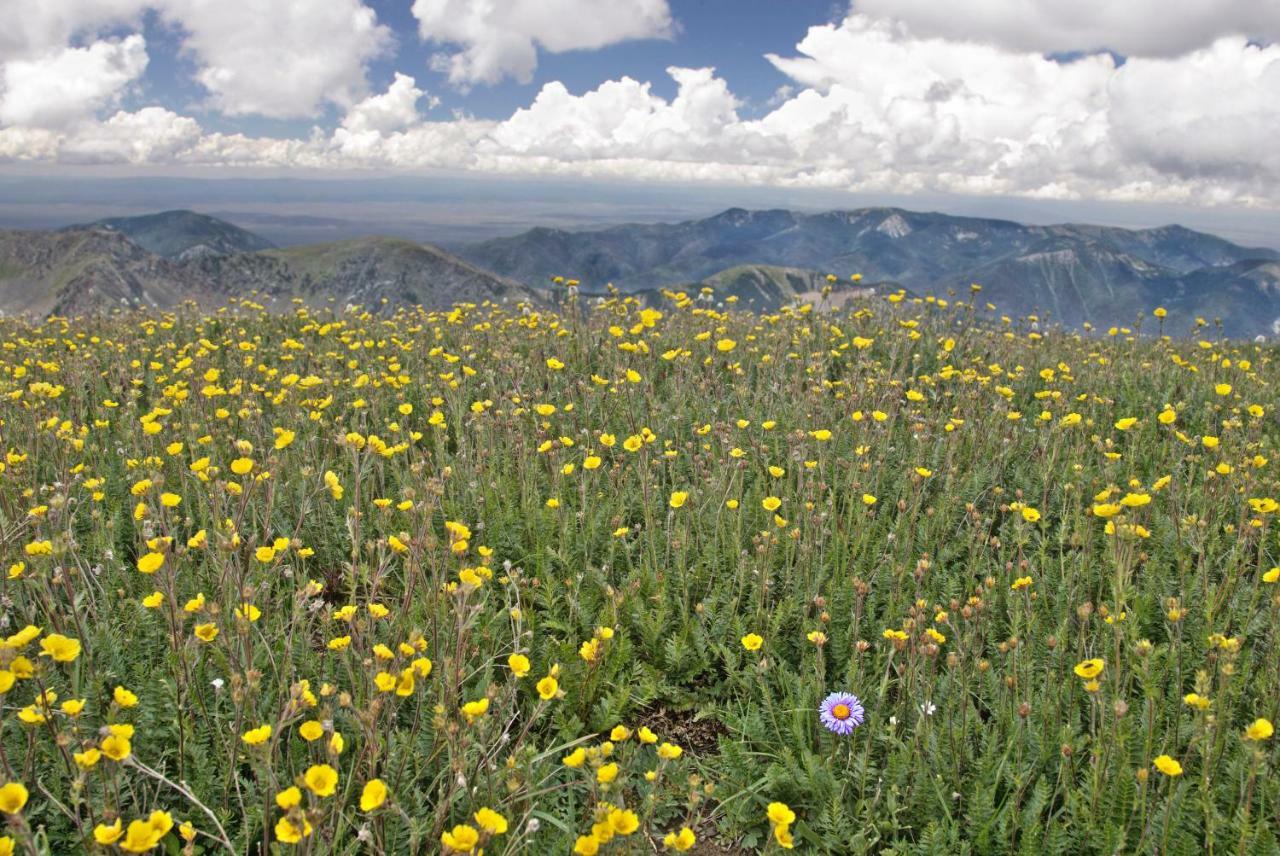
x=903, y=576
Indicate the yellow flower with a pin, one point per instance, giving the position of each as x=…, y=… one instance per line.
x=321, y=780
x=547, y=688
x=1168, y=766
x=144, y=835
x=669, y=751
x=725, y=345
x=116, y=747
x=607, y=773
x=124, y=698
x=461, y=839
x=206, y=632
x=257, y=736
x=373, y=795
x=88, y=758
x=1089, y=669
x=681, y=841
x=1197, y=701
x=61, y=649
x=1259, y=729
x=645, y=735
x=288, y=798
x=623, y=821
x=153, y=600
x=108, y=835
x=288, y=832
x=473, y=709
x=752, y=642
x=13, y=796
x=771, y=503
x=678, y=498
x=575, y=759
x=242, y=466
x=782, y=834
x=586, y=845
x=311, y=730
x=149, y=563
x=519, y=665
x=780, y=814
x=491, y=822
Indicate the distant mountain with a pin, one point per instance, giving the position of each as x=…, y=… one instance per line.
x=184, y=235
x=1070, y=273
x=1066, y=274
x=767, y=288
x=87, y=270
x=96, y=269
x=360, y=271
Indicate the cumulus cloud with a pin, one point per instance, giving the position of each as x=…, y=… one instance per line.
x=277, y=59
x=1210, y=115
x=35, y=27
x=500, y=38
x=149, y=135
x=282, y=60
x=56, y=88
x=870, y=104
x=393, y=110
x=1130, y=27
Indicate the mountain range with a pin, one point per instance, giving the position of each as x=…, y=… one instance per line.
x=1067, y=273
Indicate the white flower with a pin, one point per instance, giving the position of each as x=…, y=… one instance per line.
x=927, y=708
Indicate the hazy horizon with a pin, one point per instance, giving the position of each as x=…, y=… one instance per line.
x=451, y=208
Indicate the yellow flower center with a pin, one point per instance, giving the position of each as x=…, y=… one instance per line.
x=840, y=711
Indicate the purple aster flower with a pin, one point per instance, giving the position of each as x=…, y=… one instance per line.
x=841, y=713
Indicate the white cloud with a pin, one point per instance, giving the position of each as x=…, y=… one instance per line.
x=1210, y=115
x=870, y=105
x=500, y=38
x=56, y=88
x=394, y=110
x=622, y=118
x=279, y=59
x=35, y=27
x=1139, y=27
x=149, y=135
x=276, y=59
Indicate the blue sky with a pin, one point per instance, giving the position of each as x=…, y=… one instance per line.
x=733, y=36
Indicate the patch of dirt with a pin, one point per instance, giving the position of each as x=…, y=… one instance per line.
x=683, y=727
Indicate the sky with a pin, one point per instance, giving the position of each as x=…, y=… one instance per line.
x=1145, y=102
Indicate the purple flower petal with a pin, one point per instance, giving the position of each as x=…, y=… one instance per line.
x=841, y=712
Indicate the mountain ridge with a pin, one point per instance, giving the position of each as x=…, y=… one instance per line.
x=95, y=269
x=181, y=234
x=1069, y=273
x=1065, y=273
